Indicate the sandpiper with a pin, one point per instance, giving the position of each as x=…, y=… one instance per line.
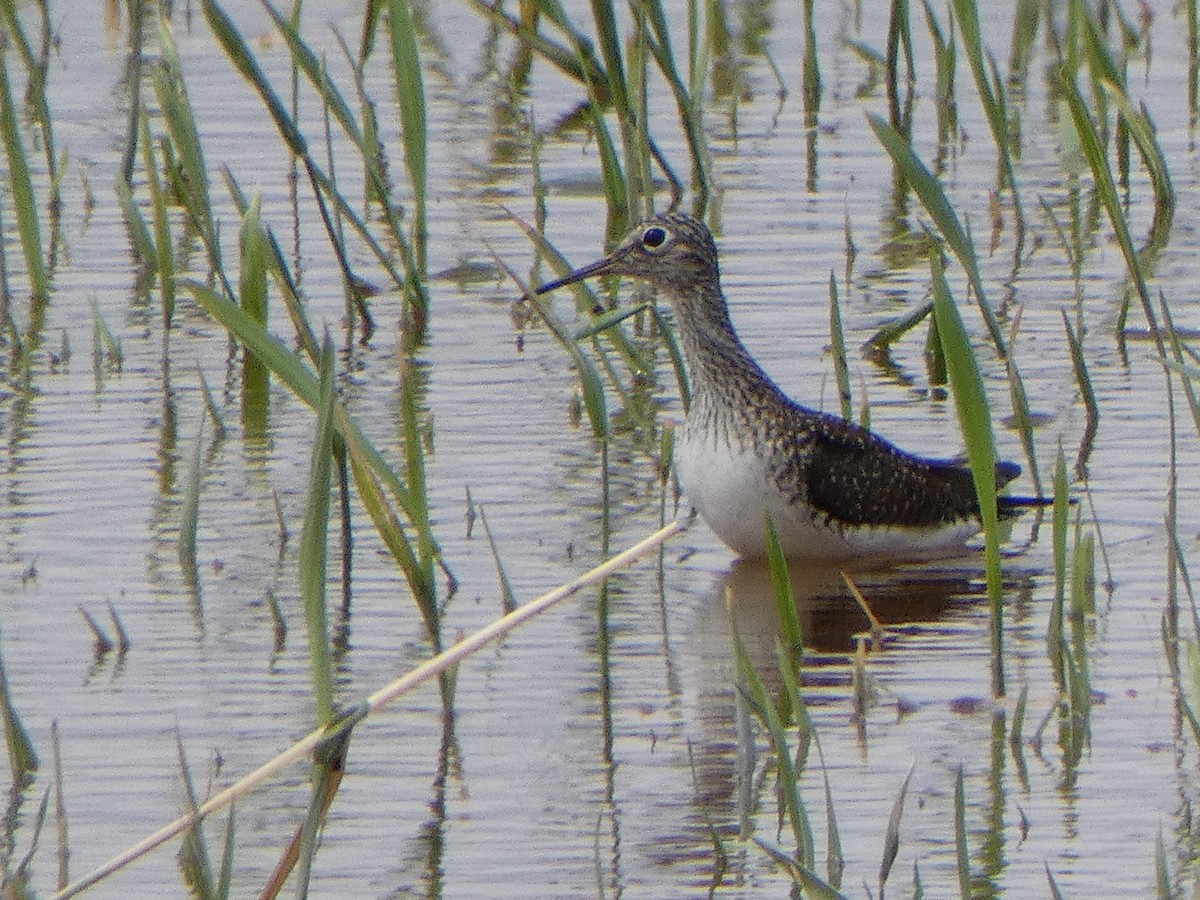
x=834, y=490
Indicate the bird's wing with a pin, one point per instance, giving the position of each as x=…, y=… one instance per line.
x=858, y=478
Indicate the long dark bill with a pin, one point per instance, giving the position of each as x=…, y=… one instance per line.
x=599, y=267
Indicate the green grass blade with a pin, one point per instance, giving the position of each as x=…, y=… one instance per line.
x=22, y=757
x=607, y=320
x=671, y=340
x=593, y=396
x=813, y=885
x=1187, y=684
x=508, y=596
x=1026, y=19
x=107, y=348
x=687, y=101
x=899, y=34
x=935, y=356
x=315, y=72
x=1179, y=348
x=975, y=420
x=579, y=64
x=1086, y=391
x=139, y=232
x=328, y=771
x=699, y=54
x=1083, y=579
x=414, y=454
x=193, y=855
x=406, y=63
x=946, y=63
x=164, y=260
x=811, y=70
x=944, y=217
x=252, y=292
x=365, y=138
x=22, y=189
x=586, y=300
x=590, y=383
x=609, y=39
x=962, y=849
x=1106, y=189
x=17, y=881
x=225, y=875
x=1163, y=886
x=891, y=839
x=785, y=599
x=314, y=536
x=1190, y=692
x=1111, y=81
x=992, y=95
x=897, y=328
x=60, y=806
x=1193, y=46
x=282, y=276
x=835, y=859
x=1146, y=139
x=284, y=363
x=36, y=67
x=287, y=366
x=789, y=789
x=239, y=54
x=792, y=709
x=837, y=340
x=616, y=191
x=1022, y=419
x=392, y=532
x=171, y=89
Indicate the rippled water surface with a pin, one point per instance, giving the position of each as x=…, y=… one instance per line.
x=580, y=760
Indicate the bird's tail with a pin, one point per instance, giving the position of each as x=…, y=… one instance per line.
x=1014, y=506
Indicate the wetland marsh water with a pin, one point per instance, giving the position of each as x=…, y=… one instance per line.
x=582, y=763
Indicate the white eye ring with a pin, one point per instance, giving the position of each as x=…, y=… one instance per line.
x=655, y=238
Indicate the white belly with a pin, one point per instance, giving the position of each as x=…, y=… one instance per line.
x=734, y=492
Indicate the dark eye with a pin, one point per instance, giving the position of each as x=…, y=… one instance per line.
x=654, y=237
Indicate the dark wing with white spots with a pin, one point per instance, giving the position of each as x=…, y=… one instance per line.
x=856, y=478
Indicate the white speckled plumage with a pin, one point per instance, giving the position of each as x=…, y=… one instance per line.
x=835, y=491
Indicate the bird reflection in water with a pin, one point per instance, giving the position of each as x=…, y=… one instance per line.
x=910, y=603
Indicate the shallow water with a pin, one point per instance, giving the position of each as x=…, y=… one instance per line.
x=563, y=774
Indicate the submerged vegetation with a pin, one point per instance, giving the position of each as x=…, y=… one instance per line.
x=250, y=251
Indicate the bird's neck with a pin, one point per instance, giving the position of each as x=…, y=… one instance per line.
x=721, y=371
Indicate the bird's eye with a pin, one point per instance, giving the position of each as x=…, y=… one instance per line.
x=654, y=237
